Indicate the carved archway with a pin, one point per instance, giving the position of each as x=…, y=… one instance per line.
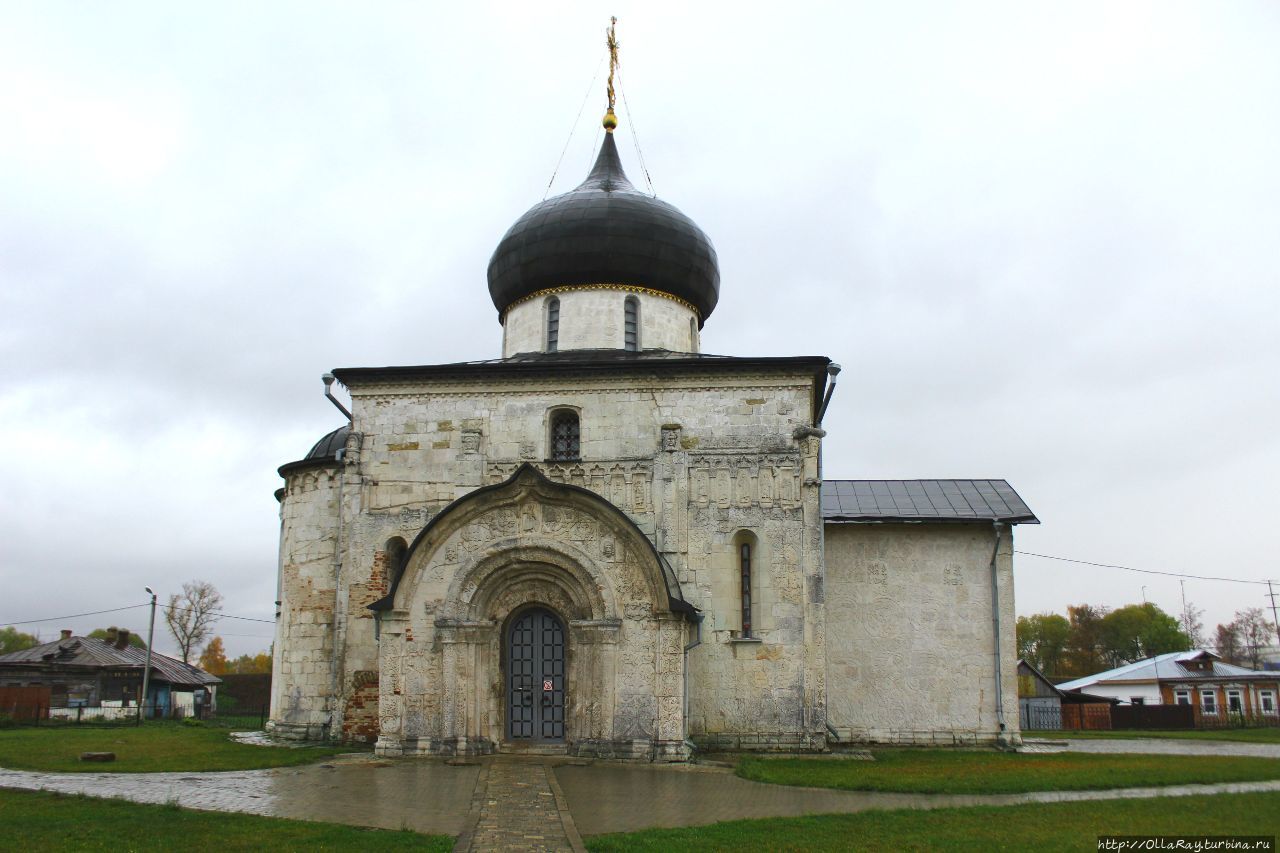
x=528, y=542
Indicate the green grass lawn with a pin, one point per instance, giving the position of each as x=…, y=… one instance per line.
x=1051, y=826
x=940, y=771
x=45, y=821
x=1267, y=735
x=149, y=748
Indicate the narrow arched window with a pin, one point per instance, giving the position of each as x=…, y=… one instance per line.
x=394, y=551
x=744, y=566
x=566, y=445
x=553, y=324
x=693, y=335
x=631, y=324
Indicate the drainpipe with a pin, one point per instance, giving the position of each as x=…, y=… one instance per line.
x=697, y=641
x=328, y=380
x=998, y=527
x=833, y=370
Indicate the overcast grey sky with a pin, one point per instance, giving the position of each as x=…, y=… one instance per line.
x=1041, y=238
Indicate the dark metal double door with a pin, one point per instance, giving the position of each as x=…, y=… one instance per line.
x=535, y=677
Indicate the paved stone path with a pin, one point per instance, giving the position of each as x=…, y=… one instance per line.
x=518, y=805
x=523, y=803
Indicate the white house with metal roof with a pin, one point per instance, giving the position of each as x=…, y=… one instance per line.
x=1198, y=677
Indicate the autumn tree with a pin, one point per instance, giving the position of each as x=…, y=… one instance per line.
x=1139, y=631
x=213, y=659
x=191, y=615
x=1042, y=641
x=250, y=664
x=1084, y=647
x=103, y=633
x=13, y=640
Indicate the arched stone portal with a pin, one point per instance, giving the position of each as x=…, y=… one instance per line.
x=523, y=545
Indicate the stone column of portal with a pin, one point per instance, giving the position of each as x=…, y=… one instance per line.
x=669, y=742
x=391, y=683
x=594, y=642
x=452, y=715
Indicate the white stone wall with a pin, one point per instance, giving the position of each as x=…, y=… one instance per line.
x=910, y=641
x=592, y=318
x=690, y=459
x=302, y=681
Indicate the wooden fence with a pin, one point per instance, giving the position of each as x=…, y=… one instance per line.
x=1153, y=717
x=25, y=703
x=1088, y=715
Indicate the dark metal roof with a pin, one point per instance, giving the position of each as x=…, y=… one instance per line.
x=605, y=231
x=323, y=452
x=584, y=361
x=94, y=654
x=328, y=447
x=923, y=500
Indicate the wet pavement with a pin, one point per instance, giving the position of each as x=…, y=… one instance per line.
x=525, y=802
x=620, y=798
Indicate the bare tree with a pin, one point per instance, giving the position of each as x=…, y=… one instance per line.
x=1227, y=639
x=1254, y=633
x=191, y=615
x=1192, y=624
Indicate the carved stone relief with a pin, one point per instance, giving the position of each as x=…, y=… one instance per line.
x=624, y=484
x=745, y=480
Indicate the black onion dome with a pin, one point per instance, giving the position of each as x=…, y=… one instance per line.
x=605, y=232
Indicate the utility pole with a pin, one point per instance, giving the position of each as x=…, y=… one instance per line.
x=146, y=672
x=1274, y=621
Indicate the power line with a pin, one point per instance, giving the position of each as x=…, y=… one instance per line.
x=219, y=614
x=1143, y=571
x=75, y=615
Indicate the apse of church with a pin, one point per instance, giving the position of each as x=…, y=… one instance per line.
x=607, y=543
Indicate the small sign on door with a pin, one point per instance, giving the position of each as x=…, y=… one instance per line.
x=546, y=685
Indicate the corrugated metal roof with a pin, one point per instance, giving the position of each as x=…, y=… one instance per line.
x=1166, y=667
x=85, y=651
x=855, y=501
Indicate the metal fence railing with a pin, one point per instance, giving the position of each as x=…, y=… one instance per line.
x=27, y=715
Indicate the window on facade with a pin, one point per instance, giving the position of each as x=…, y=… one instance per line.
x=693, y=335
x=394, y=551
x=744, y=567
x=1208, y=702
x=1137, y=700
x=565, y=436
x=631, y=324
x=1267, y=701
x=1235, y=702
x=1182, y=697
x=553, y=324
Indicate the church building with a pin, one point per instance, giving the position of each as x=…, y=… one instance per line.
x=609, y=543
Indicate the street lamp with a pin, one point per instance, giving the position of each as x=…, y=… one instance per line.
x=146, y=672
